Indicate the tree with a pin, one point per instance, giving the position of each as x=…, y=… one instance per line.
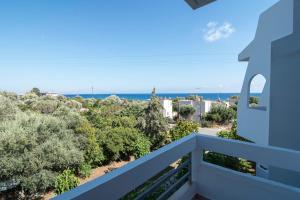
x=254, y=101
x=8, y=108
x=36, y=91
x=120, y=143
x=153, y=124
x=183, y=128
x=194, y=98
x=220, y=114
x=186, y=111
x=34, y=148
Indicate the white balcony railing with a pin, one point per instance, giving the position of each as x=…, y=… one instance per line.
x=208, y=180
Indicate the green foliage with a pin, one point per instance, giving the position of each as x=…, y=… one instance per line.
x=141, y=147
x=93, y=151
x=36, y=91
x=205, y=123
x=253, y=101
x=232, y=134
x=8, y=108
x=33, y=147
x=230, y=162
x=183, y=128
x=45, y=106
x=71, y=117
x=194, y=98
x=66, y=181
x=38, y=183
x=43, y=136
x=186, y=111
x=85, y=170
x=220, y=114
x=120, y=143
x=153, y=124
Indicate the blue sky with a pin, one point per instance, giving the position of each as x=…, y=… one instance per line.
x=125, y=46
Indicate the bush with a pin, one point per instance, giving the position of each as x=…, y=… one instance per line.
x=186, y=111
x=254, y=100
x=120, y=143
x=141, y=147
x=69, y=116
x=93, y=151
x=85, y=170
x=38, y=183
x=34, y=146
x=8, y=108
x=206, y=124
x=65, y=182
x=220, y=114
x=45, y=106
x=183, y=128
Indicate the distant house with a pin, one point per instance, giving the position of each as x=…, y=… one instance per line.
x=52, y=94
x=195, y=104
x=201, y=106
x=167, y=108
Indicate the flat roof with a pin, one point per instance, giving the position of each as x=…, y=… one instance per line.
x=198, y=3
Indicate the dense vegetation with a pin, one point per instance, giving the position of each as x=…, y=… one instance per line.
x=47, y=142
x=219, y=114
x=186, y=111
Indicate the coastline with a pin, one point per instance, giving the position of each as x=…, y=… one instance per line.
x=144, y=96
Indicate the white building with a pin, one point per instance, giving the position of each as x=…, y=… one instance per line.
x=167, y=108
x=274, y=54
x=201, y=107
x=52, y=94
x=205, y=106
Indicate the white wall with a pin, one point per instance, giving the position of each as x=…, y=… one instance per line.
x=167, y=108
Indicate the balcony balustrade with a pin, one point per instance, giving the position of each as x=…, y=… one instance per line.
x=202, y=178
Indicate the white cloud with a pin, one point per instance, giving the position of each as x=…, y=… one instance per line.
x=214, y=31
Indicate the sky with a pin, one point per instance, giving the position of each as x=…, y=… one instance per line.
x=125, y=46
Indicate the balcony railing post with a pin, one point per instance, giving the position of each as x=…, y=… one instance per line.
x=196, y=159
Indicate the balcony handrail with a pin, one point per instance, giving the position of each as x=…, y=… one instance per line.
x=119, y=182
x=273, y=156
x=207, y=179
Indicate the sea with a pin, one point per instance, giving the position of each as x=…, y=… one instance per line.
x=143, y=96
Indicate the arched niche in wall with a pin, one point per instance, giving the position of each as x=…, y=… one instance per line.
x=256, y=92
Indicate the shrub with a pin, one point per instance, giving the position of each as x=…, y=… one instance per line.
x=45, y=106
x=206, y=124
x=38, y=183
x=183, y=128
x=120, y=143
x=8, y=108
x=186, y=111
x=220, y=114
x=69, y=116
x=93, y=151
x=85, y=170
x=65, y=182
x=141, y=147
x=34, y=146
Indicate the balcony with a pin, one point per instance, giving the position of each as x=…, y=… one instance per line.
x=203, y=179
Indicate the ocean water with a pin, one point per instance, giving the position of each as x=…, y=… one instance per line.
x=207, y=96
